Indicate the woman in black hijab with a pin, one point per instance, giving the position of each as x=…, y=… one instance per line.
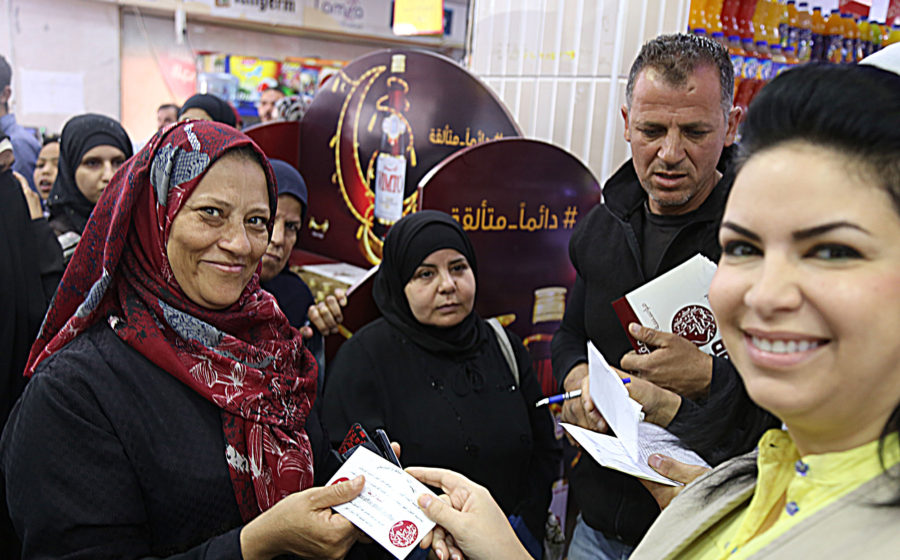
x=31, y=262
x=208, y=107
x=92, y=148
x=431, y=372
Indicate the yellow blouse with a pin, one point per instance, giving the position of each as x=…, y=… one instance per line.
x=807, y=484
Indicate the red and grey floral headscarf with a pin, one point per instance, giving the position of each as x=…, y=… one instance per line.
x=245, y=359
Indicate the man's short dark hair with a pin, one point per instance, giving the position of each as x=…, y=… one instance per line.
x=172, y=106
x=677, y=56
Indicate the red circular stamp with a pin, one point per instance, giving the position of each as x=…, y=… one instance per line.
x=695, y=323
x=403, y=534
x=339, y=480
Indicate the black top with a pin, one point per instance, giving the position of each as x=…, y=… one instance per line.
x=444, y=414
x=30, y=268
x=655, y=234
x=294, y=298
x=106, y=455
x=606, y=250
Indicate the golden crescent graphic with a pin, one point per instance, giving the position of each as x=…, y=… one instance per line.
x=370, y=244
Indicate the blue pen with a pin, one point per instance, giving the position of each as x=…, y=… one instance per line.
x=558, y=398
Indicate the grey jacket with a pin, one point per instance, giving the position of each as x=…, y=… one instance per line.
x=853, y=526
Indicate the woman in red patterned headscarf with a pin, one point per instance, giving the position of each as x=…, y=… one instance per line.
x=169, y=395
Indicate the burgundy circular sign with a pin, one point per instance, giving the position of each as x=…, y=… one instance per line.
x=695, y=323
x=403, y=534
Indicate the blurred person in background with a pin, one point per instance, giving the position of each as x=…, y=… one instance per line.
x=25, y=145
x=167, y=113
x=47, y=166
x=265, y=107
x=92, y=148
x=208, y=107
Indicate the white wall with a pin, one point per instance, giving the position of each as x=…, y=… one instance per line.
x=560, y=66
x=72, y=48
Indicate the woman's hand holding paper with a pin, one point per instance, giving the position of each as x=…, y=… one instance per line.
x=470, y=520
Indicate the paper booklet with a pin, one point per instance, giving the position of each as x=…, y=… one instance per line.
x=635, y=440
x=676, y=302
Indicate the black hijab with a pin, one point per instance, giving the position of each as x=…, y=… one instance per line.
x=408, y=243
x=80, y=135
x=217, y=109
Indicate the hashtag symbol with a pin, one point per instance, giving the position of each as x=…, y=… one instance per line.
x=569, y=218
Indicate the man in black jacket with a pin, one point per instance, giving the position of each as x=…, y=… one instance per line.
x=660, y=208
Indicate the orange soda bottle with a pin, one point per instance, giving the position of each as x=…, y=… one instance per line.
x=714, y=17
x=834, y=31
x=775, y=13
x=697, y=15
x=851, y=33
x=759, y=21
x=817, y=37
x=893, y=36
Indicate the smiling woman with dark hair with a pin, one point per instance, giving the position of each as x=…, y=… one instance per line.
x=807, y=295
x=168, y=410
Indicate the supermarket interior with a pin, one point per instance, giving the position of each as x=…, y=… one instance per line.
x=512, y=117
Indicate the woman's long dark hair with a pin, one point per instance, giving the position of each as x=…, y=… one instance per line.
x=854, y=111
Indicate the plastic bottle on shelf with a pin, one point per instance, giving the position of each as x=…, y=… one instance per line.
x=697, y=15
x=804, y=32
x=875, y=35
x=893, y=36
x=714, y=17
x=850, y=34
x=775, y=13
x=788, y=22
x=745, y=19
x=779, y=62
x=863, y=42
x=834, y=31
x=764, y=70
x=729, y=17
x=790, y=56
x=749, y=70
x=719, y=37
x=737, y=54
x=766, y=63
x=761, y=22
x=817, y=36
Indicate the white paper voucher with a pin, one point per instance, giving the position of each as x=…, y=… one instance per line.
x=387, y=509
